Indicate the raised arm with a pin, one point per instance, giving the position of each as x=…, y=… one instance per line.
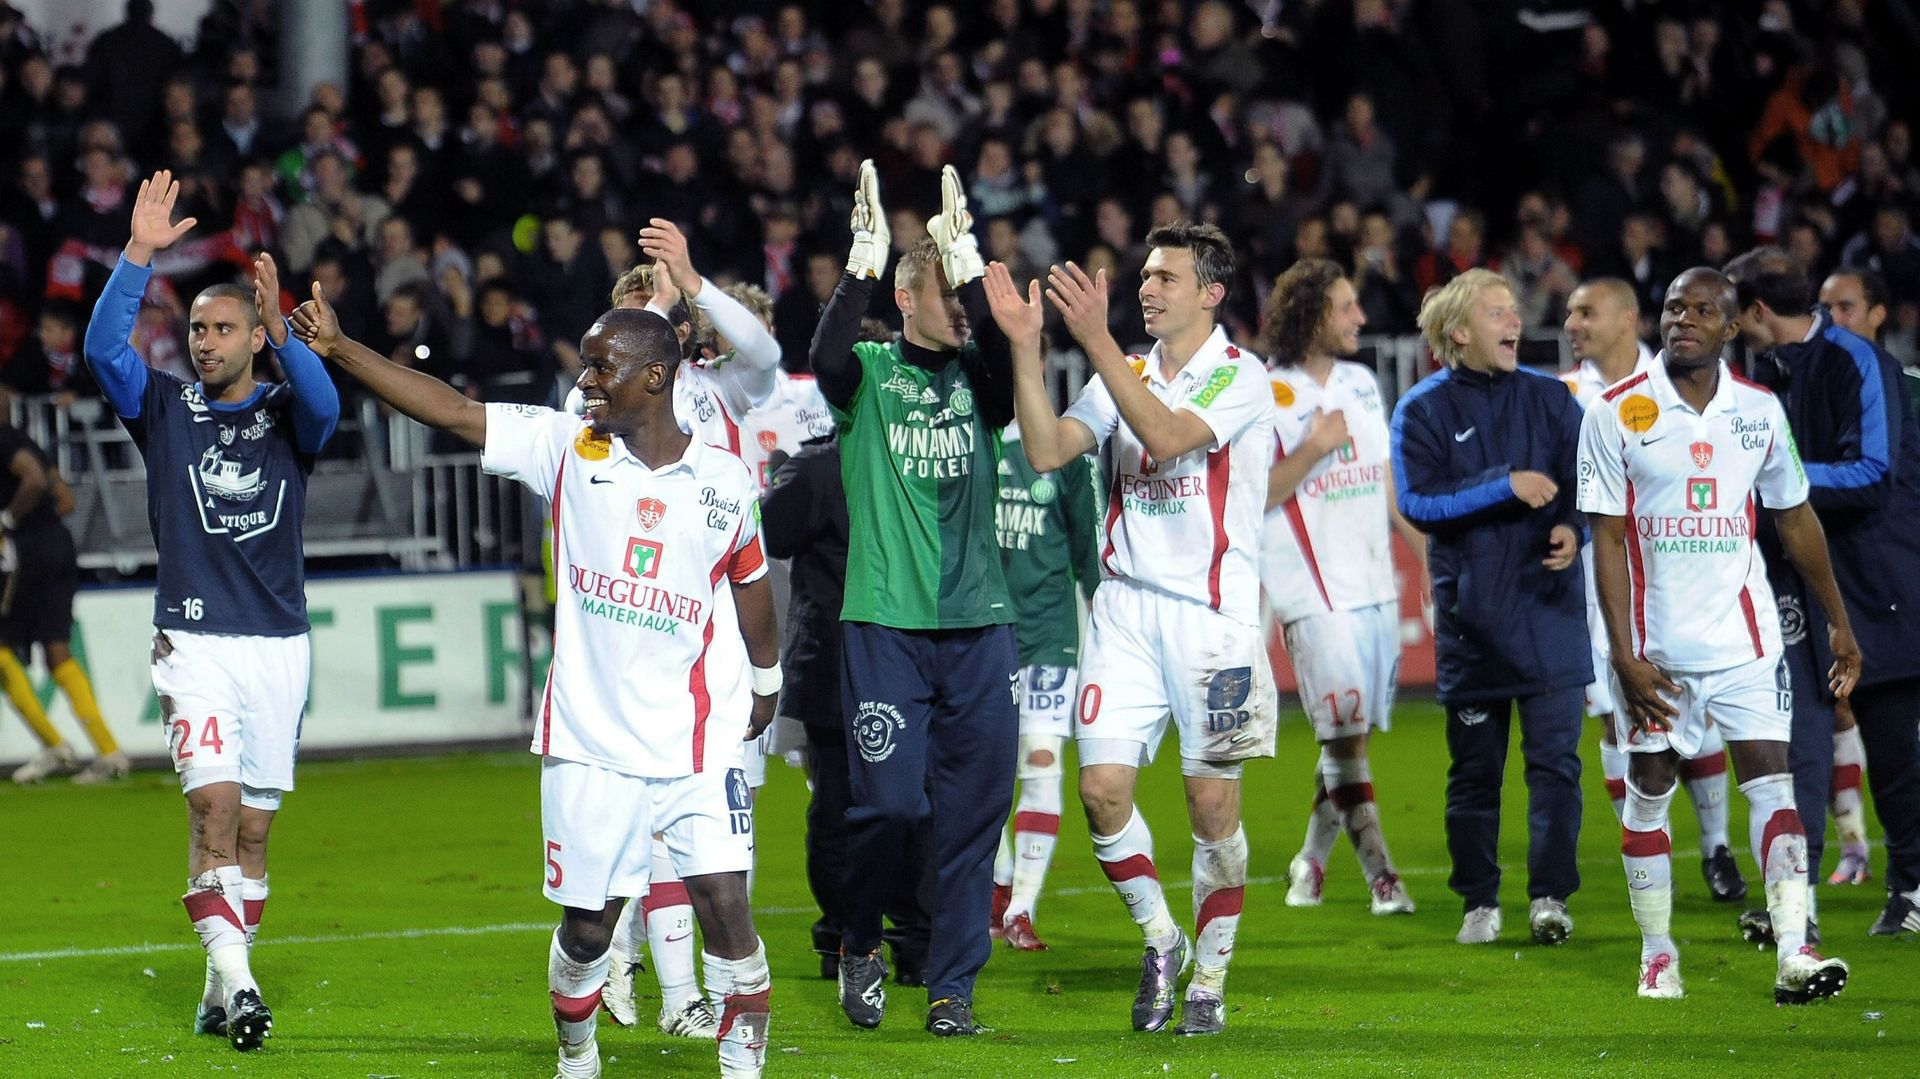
x=831, y=354
x=952, y=233
x=755, y=353
x=119, y=370
x=1167, y=433
x=316, y=403
x=1050, y=441
x=414, y=394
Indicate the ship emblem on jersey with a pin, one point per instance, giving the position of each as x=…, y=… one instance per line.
x=221, y=477
x=1702, y=454
x=768, y=441
x=650, y=511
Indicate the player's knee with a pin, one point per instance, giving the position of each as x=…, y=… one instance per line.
x=585, y=936
x=1653, y=774
x=1346, y=747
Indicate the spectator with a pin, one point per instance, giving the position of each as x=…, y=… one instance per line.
x=126, y=67
x=1466, y=249
x=1360, y=160
x=333, y=212
x=567, y=284
x=1891, y=250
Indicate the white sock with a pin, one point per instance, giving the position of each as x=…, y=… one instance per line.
x=1647, y=852
x=1036, y=826
x=1706, y=778
x=574, y=988
x=668, y=915
x=1003, y=863
x=1349, y=784
x=1323, y=823
x=1127, y=860
x=1780, y=845
x=1219, y=886
x=1613, y=766
x=253, y=904
x=740, y=987
x=1849, y=757
x=213, y=903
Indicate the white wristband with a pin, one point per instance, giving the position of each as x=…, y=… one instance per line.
x=766, y=681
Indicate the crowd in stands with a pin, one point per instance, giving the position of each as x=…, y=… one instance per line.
x=469, y=195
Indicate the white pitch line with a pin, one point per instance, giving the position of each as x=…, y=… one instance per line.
x=547, y=927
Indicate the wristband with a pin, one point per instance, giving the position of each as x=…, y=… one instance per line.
x=766, y=681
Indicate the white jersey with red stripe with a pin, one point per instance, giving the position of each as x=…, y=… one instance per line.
x=649, y=668
x=794, y=414
x=1328, y=547
x=1190, y=527
x=1586, y=382
x=1688, y=484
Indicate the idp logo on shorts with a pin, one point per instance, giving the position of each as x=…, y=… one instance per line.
x=1227, y=693
x=739, y=802
x=874, y=729
x=1047, y=687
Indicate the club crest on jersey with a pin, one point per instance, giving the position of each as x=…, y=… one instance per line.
x=768, y=441
x=650, y=511
x=1702, y=454
x=1703, y=494
x=643, y=557
x=591, y=447
x=1043, y=491
x=961, y=401
x=1227, y=693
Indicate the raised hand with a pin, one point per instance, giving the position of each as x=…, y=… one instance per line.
x=663, y=242
x=1081, y=301
x=871, y=237
x=666, y=292
x=1020, y=318
x=153, y=226
x=952, y=232
x=315, y=323
x=266, y=298
x=1327, y=432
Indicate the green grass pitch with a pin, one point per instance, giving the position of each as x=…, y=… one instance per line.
x=407, y=936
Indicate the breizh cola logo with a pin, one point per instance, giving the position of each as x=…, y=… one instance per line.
x=1703, y=494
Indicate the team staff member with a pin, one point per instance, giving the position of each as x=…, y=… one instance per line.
x=39, y=571
x=929, y=640
x=803, y=517
x=1484, y=456
x=1862, y=454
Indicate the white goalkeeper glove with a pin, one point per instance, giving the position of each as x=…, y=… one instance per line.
x=952, y=232
x=871, y=238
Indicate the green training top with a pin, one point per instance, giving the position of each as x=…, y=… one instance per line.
x=1049, y=529
x=919, y=465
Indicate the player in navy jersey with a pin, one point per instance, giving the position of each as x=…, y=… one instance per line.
x=227, y=465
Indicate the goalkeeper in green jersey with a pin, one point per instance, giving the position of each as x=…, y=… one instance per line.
x=929, y=647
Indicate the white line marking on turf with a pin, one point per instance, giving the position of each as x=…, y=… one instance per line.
x=547, y=927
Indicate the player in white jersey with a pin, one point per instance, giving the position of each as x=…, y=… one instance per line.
x=711, y=395
x=639, y=729
x=1175, y=624
x=1603, y=326
x=1327, y=563
x=1673, y=464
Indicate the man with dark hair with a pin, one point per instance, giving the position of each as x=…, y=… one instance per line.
x=1175, y=628
x=1856, y=297
x=927, y=620
x=1672, y=461
x=1861, y=449
x=1602, y=325
x=1327, y=563
x=641, y=732
x=227, y=465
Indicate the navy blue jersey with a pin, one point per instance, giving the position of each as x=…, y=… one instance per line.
x=226, y=483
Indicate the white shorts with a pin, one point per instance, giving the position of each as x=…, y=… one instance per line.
x=753, y=756
x=1150, y=656
x=1046, y=700
x=1749, y=703
x=1603, y=691
x=1348, y=663
x=599, y=826
x=230, y=707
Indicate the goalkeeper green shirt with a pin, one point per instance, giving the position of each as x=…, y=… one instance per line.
x=919, y=450
x=1049, y=530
